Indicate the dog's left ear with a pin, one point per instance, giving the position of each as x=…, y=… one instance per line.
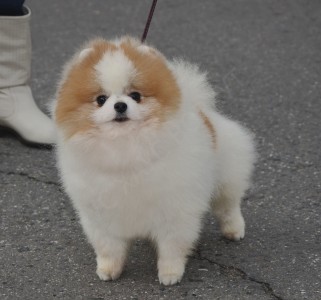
x=84, y=53
x=145, y=48
x=148, y=50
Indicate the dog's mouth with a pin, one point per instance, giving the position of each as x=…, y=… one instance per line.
x=121, y=119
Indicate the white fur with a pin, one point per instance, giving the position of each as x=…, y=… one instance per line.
x=115, y=71
x=158, y=181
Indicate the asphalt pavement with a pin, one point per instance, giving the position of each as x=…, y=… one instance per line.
x=264, y=58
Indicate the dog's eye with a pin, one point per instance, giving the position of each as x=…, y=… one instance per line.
x=135, y=96
x=101, y=99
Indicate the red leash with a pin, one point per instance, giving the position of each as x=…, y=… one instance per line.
x=150, y=16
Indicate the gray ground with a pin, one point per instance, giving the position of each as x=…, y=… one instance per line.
x=264, y=57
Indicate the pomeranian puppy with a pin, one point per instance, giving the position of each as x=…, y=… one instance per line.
x=142, y=152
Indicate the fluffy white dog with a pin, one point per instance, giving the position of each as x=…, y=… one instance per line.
x=143, y=153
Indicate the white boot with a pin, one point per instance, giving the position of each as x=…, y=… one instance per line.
x=18, y=110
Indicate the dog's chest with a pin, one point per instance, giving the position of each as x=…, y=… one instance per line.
x=135, y=195
x=131, y=205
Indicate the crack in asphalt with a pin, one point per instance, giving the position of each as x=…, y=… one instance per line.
x=49, y=182
x=266, y=286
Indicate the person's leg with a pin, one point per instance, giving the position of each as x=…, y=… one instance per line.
x=11, y=7
x=18, y=110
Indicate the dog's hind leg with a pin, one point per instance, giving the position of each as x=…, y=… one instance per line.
x=227, y=209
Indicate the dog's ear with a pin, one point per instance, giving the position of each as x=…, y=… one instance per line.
x=145, y=48
x=83, y=53
x=149, y=50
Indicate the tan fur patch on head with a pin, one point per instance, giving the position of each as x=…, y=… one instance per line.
x=209, y=126
x=76, y=94
x=154, y=78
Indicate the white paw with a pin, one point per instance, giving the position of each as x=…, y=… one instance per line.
x=109, y=269
x=233, y=228
x=170, y=279
x=103, y=275
x=170, y=272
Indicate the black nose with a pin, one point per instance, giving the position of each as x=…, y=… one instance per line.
x=120, y=107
